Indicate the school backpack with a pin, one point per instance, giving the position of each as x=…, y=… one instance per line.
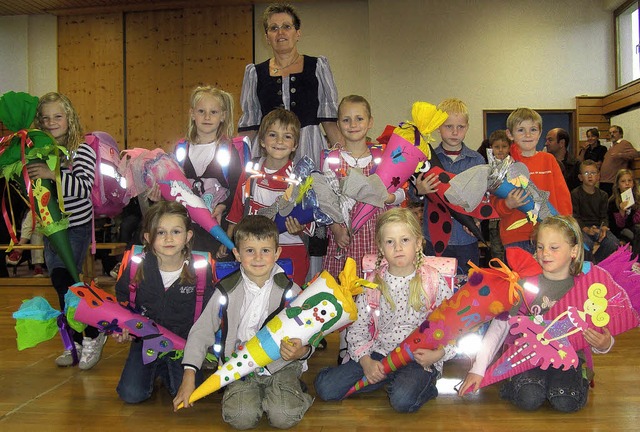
x=109, y=194
x=241, y=144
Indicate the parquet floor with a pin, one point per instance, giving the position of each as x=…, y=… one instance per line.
x=35, y=395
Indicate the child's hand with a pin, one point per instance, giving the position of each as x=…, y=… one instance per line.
x=467, y=230
x=218, y=211
x=293, y=226
x=373, y=369
x=341, y=235
x=516, y=198
x=427, y=183
x=40, y=171
x=471, y=381
x=222, y=252
x=623, y=207
x=122, y=337
x=600, y=341
x=292, y=349
x=391, y=198
x=186, y=388
x=154, y=194
x=426, y=357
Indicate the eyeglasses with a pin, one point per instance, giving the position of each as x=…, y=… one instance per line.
x=588, y=173
x=275, y=28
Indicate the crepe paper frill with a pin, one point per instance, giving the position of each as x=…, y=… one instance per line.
x=100, y=309
x=17, y=150
x=323, y=307
x=597, y=299
x=144, y=168
x=509, y=175
x=299, y=201
x=488, y=293
x=405, y=151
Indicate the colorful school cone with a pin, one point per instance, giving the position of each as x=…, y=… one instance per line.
x=323, y=307
x=405, y=152
x=17, y=150
x=144, y=168
x=488, y=293
x=599, y=298
x=98, y=308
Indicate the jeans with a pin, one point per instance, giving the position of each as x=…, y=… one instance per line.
x=79, y=238
x=280, y=396
x=137, y=379
x=463, y=253
x=608, y=245
x=566, y=391
x=408, y=388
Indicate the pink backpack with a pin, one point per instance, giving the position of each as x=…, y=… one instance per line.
x=109, y=195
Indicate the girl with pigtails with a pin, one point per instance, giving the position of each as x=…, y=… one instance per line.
x=408, y=290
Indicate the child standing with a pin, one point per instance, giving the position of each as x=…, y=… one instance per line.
x=354, y=122
x=279, y=135
x=559, y=251
x=409, y=289
x=624, y=216
x=208, y=158
x=56, y=115
x=166, y=288
x=590, y=210
x=499, y=144
x=455, y=157
x=242, y=303
x=524, y=127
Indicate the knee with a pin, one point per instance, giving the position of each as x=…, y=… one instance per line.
x=567, y=400
x=529, y=397
x=132, y=396
x=285, y=420
x=324, y=388
x=241, y=418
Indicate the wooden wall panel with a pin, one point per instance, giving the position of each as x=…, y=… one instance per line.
x=589, y=112
x=155, y=102
x=90, y=59
x=218, y=44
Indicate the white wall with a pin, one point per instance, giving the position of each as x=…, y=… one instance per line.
x=629, y=123
x=14, y=52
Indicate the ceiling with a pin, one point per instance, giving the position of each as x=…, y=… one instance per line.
x=79, y=7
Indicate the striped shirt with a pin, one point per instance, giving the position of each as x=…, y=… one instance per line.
x=77, y=182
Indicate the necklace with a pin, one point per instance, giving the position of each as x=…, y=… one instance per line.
x=280, y=68
x=357, y=159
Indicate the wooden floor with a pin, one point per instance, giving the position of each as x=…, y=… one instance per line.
x=35, y=395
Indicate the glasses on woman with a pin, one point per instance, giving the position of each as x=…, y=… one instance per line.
x=273, y=28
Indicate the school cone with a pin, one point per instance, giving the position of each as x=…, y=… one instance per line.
x=488, y=293
x=17, y=150
x=323, y=307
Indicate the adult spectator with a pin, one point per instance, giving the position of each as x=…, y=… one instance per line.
x=593, y=150
x=557, y=144
x=297, y=82
x=618, y=157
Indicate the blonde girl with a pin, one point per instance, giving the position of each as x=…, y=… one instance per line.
x=560, y=252
x=409, y=290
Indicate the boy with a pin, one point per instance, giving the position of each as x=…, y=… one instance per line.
x=455, y=157
x=246, y=299
x=590, y=210
x=499, y=144
x=524, y=127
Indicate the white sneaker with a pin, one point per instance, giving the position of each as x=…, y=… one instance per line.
x=66, y=358
x=91, y=351
x=114, y=271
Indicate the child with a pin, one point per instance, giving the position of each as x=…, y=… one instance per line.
x=29, y=234
x=455, y=157
x=354, y=122
x=409, y=290
x=499, y=144
x=590, y=210
x=165, y=291
x=208, y=158
x=56, y=115
x=559, y=251
x=279, y=135
x=246, y=299
x=624, y=217
x=524, y=127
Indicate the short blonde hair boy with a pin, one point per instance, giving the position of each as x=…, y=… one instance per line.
x=523, y=114
x=454, y=106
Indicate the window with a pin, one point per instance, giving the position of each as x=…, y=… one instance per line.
x=627, y=43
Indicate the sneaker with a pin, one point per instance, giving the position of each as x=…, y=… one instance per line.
x=38, y=271
x=14, y=257
x=91, y=351
x=66, y=358
x=114, y=271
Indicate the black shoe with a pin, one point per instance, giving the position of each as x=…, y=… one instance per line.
x=322, y=345
x=341, y=355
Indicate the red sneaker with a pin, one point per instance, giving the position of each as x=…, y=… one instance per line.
x=38, y=271
x=14, y=257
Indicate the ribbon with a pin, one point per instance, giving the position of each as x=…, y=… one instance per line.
x=500, y=270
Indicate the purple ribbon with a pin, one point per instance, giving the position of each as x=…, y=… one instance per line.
x=66, y=333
